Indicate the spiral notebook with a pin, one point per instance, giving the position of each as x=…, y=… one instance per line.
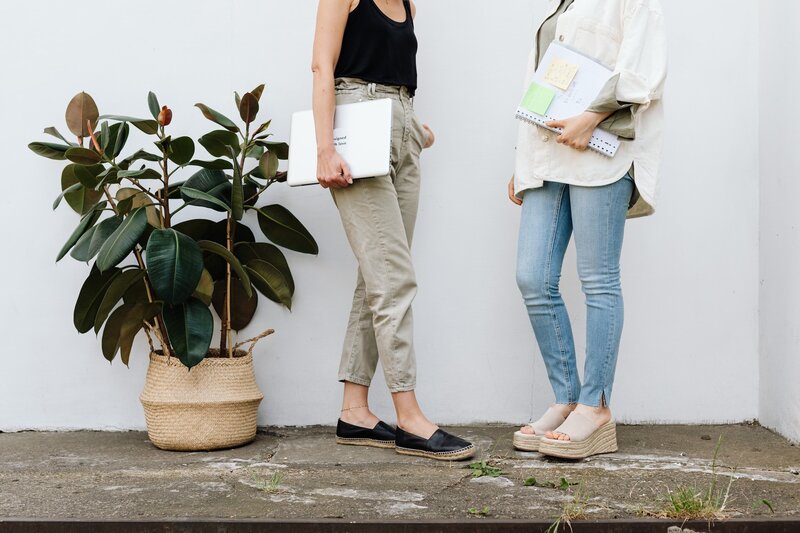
x=565, y=84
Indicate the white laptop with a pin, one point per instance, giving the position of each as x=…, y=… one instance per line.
x=362, y=134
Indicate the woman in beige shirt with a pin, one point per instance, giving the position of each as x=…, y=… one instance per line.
x=567, y=191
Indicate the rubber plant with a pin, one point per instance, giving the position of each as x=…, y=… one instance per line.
x=162, y=259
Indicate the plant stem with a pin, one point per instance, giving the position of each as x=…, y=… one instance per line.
x=165, y=201
x=160, y=328
x=226, y=309
x=228, y=287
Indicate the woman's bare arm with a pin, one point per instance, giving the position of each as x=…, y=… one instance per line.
x=332, y=171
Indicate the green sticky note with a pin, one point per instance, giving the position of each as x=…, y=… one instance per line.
x=538, y=99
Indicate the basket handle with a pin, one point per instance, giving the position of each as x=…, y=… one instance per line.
x=252, y=342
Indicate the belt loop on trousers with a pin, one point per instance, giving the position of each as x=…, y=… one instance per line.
x=371, y=89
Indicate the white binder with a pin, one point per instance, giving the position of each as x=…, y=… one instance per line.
x=362, y=134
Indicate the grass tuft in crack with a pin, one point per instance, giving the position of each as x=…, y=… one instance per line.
x=574, y=509
x=693, y=503
x=271, y=485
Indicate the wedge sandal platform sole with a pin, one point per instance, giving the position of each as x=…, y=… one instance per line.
x=604, y=440
x=526, y=442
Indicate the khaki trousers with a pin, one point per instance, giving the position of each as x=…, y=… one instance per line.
x=378, y=215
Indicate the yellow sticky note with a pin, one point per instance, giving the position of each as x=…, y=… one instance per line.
x=538, y=99
x=560, y=73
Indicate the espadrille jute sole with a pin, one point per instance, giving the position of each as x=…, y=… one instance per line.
x=526, y=443
x=456, y=455
x=365, y=442
x=604, y=440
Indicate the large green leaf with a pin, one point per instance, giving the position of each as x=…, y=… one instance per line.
x=124, y=239
x=80, y=111
x=278, y=148
x=205, y=288
x=213, y=183
x=123, y=326
x=206, y=180
x=89, y=245
x=218, y=142
x=258, y=91
x=88, y=176
x=268, y=165
x=223, y=252
x=87, y=221
x=218, y=233
x=281, y=227
x=150, y=127
x=270, y=282
x=216, y=164
x=72, y=188
x=83, y=156
x=137, y=198
x=57, y=134
x=119, y=286
x=248, y=108
x=81, y=200
x=152, y=103
x=203, y=198
x=120, y=133
x=249, y=251
x=182, y=149
x=255, y=152
x=174, y=265
x=198, y=229
x=90, y=297
x=140, y=174
x=139, y=155
x=217, y=117
x=243, y=306
x=190, y=326
x=49, y=150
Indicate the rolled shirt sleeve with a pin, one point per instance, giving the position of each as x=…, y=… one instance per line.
x=620, y=122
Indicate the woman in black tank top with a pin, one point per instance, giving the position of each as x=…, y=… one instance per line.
x=366, y=49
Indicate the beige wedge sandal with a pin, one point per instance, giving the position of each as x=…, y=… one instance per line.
x=585, y=439
x=530, y=442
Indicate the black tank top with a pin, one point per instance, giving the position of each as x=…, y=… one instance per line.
x=377, y=49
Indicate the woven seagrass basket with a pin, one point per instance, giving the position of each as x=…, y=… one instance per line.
x=212, y=406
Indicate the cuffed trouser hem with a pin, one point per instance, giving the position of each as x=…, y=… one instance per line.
x=403, y=388
x=355, y=379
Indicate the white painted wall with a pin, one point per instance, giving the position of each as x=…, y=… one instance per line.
x=690, y=347
x=780, y=218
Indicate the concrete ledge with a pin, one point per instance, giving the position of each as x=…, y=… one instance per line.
x=299, y=478
x=439, y=526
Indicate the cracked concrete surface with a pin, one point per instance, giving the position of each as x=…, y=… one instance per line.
x=302, y=473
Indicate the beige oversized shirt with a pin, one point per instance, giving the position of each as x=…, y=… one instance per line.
x=628, y=36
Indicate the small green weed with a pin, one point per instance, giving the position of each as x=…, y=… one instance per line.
x=482, y=468
x=484, y=511
x=766, y=503
x=563, y=483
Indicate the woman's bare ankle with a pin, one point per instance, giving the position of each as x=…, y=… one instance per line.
x=359, y=416
x=417, y=425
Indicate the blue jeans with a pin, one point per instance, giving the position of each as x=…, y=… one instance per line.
x=596, y=216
